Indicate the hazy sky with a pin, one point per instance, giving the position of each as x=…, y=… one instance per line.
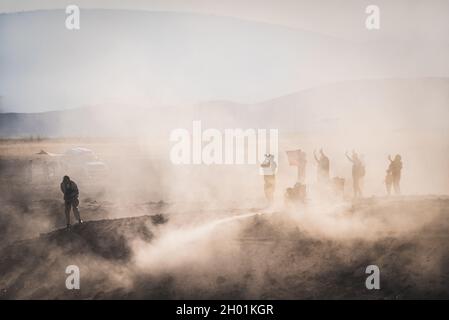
x=182, y=52
x=405, y=19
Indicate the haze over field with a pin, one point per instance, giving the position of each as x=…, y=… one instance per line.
x=99, y=104
x=376, y=117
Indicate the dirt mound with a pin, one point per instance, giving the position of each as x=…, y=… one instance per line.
x=305, y=254
x=35, y=268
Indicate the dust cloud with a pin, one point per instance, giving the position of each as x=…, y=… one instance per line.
x=217, y=236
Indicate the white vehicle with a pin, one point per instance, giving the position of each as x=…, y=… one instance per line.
x=78, y=161
x=83, y=160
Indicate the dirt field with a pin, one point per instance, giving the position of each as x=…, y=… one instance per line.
x=258, y=256
x=143, y=238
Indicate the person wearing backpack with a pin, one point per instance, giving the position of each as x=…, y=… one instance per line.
x=71, y=193
x=396, y=167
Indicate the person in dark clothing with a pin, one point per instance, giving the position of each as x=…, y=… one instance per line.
x=395, y=168
x=295, y=195
x=323, y=167
x=71, y=193
x=358, y=172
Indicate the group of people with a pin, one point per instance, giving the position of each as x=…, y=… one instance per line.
x=298, y=191
x=269, y=166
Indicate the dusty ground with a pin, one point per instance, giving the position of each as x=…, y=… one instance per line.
x=260, y=255
x=137, y=243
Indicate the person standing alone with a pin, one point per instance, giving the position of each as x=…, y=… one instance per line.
x=71, y=193
x=395, y=168
x=358, y=172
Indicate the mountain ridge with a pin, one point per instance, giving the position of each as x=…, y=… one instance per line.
x=326, y=107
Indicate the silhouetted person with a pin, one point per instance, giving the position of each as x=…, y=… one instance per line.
x=396, y=167
x=358, y=171
x=71, y=193
x=297, y=194
x=323, y=167
x=269, y=174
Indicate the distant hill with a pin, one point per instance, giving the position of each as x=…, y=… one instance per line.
x=385, y=104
